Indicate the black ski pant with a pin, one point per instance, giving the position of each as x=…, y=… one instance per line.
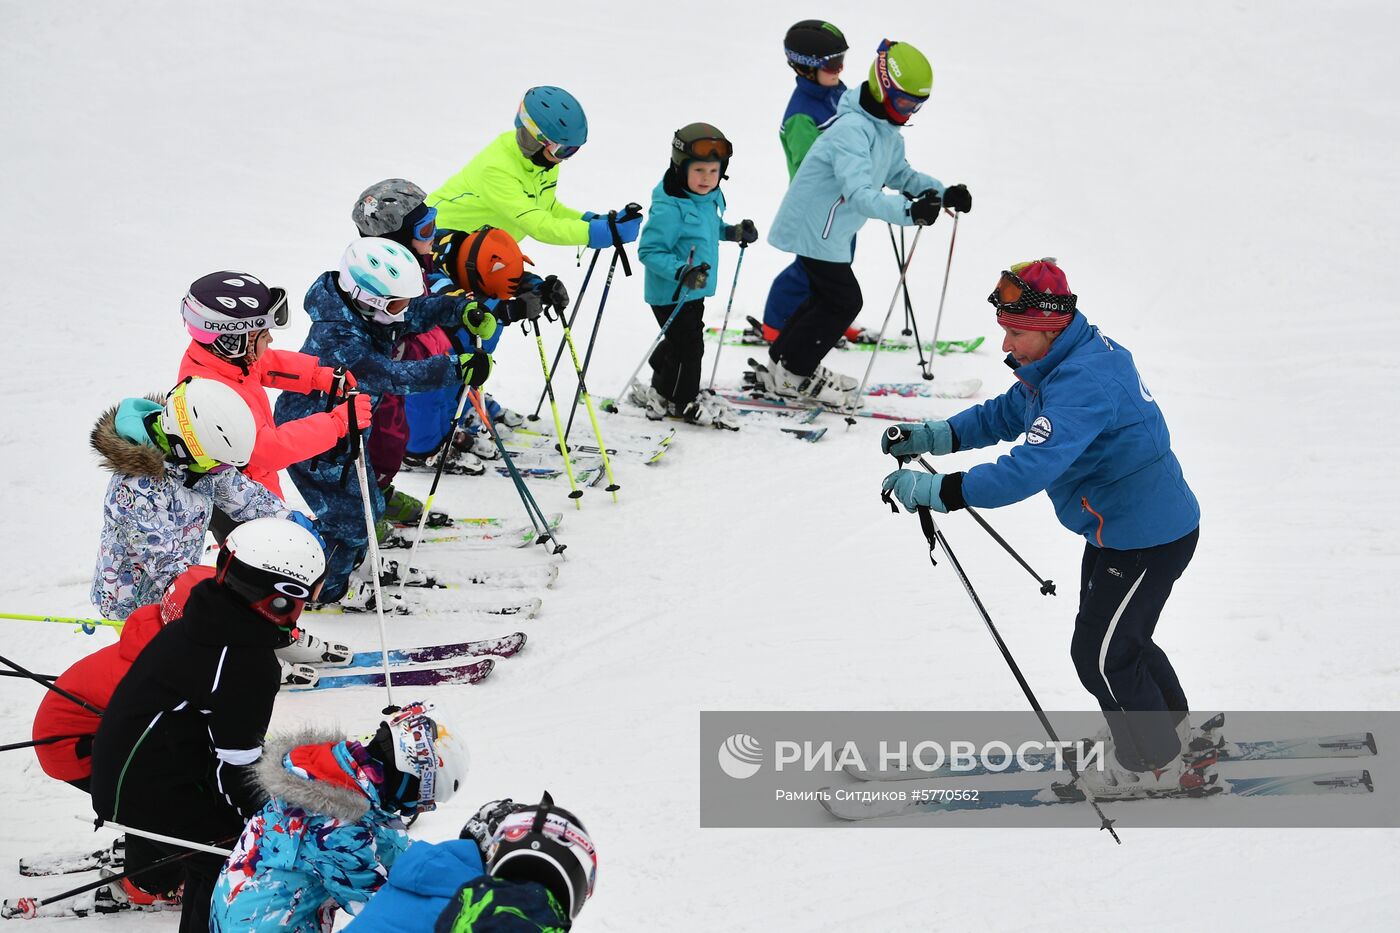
x=678, y=359
x=821, y=319
x=1121, y=594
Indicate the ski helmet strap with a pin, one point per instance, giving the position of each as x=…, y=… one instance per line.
x=474, y=282
x=542, y=813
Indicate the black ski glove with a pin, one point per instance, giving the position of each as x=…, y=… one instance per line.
x=958, y=198
x=694, y=277
x=474, y=366
x=553, y=294
x=924, y=209
x=743, y=232
x=524, y=307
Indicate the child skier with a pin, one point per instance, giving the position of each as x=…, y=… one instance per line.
x=816, y=50
x=837, y=188
x=511, y=183
x=331, y=829
x=175, y=748
x=230, y=317
x=358, y=316
x=680, y=249
x=169, y=458
x=1097, y=444
x=516, y=867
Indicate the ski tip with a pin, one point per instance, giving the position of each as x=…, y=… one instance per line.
x=1370, y=742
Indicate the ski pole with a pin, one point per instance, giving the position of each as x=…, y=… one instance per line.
x=578, y=303
x=875, y=351
x=49, y=740
x=1047, y=587
x=443, y=453
x=628, y=212
x=89, y=626
x=911, y=324
x=28, y=907
x=680, y=296
x=574, y=492
x=729, y=306
x=935, y=536
x=592, y=414
x=99, y=822
x=43, y=681
x=357, y=454
x=947, y=270
x=543, y=532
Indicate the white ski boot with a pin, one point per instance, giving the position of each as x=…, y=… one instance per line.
x=477, y=445
x=785, y=383
x=711, y=410
x=1183, y=776
x=841, y=381
x=657, y=406
x=308, y=649
x=360, y=598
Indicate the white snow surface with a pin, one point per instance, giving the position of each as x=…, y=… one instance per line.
x=1218, y=181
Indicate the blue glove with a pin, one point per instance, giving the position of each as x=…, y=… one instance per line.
x=928, y=437
x=600, y=234
x=304, y=521
x=914, y=488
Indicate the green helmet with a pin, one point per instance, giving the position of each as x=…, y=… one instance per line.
x=901, y=78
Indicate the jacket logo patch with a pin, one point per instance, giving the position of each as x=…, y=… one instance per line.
x=1116, y=572
x=1040, y=431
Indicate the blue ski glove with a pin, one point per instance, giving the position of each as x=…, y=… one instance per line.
x=302, y=519
x=928, y=437
x=600, y=234
x=914, y=488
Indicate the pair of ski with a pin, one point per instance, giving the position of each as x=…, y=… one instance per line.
x=792, y=422
x=1348, y=745
x=646, y=447
x=510, y=532
x=752, y=336
x=405, y=674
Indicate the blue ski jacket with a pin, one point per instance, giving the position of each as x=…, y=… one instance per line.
x=421, y=884
x=678, y=220
x=1095, y=441
x=841, y=183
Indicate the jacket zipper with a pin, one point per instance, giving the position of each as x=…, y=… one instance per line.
x=1098, y=535
x=831, y=216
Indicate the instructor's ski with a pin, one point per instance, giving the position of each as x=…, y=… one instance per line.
x=504, y=647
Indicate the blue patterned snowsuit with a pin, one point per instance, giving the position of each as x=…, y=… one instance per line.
x=339, y=335
x=321, y=842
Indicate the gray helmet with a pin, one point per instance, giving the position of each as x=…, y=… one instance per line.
x=382, y=208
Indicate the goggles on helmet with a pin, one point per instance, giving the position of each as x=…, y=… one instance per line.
x=706, y=148
x=897, y=100
x=528, y=124
x=832, y=63
x=424, y=221
x=1012, y=294
x=416, y=736
x=206, y=319
x=391, y=307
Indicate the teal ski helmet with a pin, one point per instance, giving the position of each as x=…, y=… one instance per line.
x=553, y=119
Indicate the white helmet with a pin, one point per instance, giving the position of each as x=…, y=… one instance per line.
x=426, y=749
x=207, y=424
x=381, y=275
x=549, y=845
x=273, y=563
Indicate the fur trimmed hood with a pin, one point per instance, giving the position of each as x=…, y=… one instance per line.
x=325, y=779
x=122, y=455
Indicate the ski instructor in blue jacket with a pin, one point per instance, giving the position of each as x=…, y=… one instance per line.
x=1096, y=442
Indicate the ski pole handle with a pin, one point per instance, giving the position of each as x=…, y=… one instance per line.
x=630, y=211
x=895, y=435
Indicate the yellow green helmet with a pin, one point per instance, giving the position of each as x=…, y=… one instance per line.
x=901, y=78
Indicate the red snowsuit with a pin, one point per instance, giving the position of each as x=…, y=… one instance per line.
x=278, y=445
x=95, y=677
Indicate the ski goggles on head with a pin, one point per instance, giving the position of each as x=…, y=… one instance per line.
x=393, y=307
x=217, y=323
x=896, y=98
x=423, y=222
x=527, y=123
x=831, y=63
x=417, y=734
x=1013, y=295
x=706, y=148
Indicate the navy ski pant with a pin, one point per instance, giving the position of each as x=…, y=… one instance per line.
x=821, y=320
x=340, y=516
x=788, y=291
x=1121, y=594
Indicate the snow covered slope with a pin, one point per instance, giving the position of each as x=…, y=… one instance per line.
x=1217, y=180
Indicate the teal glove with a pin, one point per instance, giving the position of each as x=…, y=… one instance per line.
x=478, y=321
x=474, y=366
x=928, y=437
x=914, y=488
